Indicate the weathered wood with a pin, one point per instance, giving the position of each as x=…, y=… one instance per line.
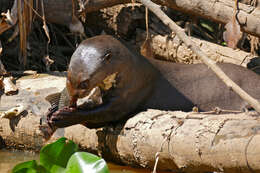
x=189, y=141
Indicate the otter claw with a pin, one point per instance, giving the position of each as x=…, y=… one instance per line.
x=69, y=109
x=64, y=111
x=61, y=117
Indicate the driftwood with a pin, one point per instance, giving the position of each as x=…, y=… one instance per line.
x=189, y=141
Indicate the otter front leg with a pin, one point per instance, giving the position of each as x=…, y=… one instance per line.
x=97, y=117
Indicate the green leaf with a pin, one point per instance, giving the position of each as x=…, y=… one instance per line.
x=56, y=155
x=83, y=162
x=57, y=169
x=29, y=167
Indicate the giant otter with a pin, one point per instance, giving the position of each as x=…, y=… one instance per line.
x=144, y=83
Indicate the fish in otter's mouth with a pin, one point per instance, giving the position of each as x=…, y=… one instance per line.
x=96, y=95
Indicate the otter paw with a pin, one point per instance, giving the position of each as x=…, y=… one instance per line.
x=68, y=109
x=62, y=117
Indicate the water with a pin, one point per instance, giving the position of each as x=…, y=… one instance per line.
x=8, y=159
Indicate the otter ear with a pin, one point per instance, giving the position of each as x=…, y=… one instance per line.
x=107, y=56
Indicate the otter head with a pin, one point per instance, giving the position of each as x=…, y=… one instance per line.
x=94, y=60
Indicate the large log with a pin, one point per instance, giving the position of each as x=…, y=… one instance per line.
x=189, y=141
x=216, y=10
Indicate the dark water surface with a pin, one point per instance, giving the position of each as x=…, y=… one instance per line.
x=8, y=159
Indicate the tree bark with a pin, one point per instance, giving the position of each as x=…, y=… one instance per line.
x=188, y=141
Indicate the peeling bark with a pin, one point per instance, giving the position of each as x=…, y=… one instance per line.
x=188, y=141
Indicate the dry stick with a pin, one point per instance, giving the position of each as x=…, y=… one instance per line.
x=45, y=27
x=146, y=24
x=210, y=63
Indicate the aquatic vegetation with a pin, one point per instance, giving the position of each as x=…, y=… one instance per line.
x=63, y=156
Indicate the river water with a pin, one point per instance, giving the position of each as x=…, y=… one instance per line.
x=8, y=159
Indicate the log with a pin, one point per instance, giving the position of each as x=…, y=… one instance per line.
x=186, y=141
x=172, y=49
x=217, y=10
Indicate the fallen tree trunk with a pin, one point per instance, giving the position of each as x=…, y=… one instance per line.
x=189, y=141
x=172, y=49
x=220, y=11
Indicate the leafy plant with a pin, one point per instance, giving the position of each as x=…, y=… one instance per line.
x=62, y=156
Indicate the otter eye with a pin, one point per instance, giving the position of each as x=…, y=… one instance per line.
x=84, y=84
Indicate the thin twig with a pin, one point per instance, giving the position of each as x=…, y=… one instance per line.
x=45, y=27
x=146, y=23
